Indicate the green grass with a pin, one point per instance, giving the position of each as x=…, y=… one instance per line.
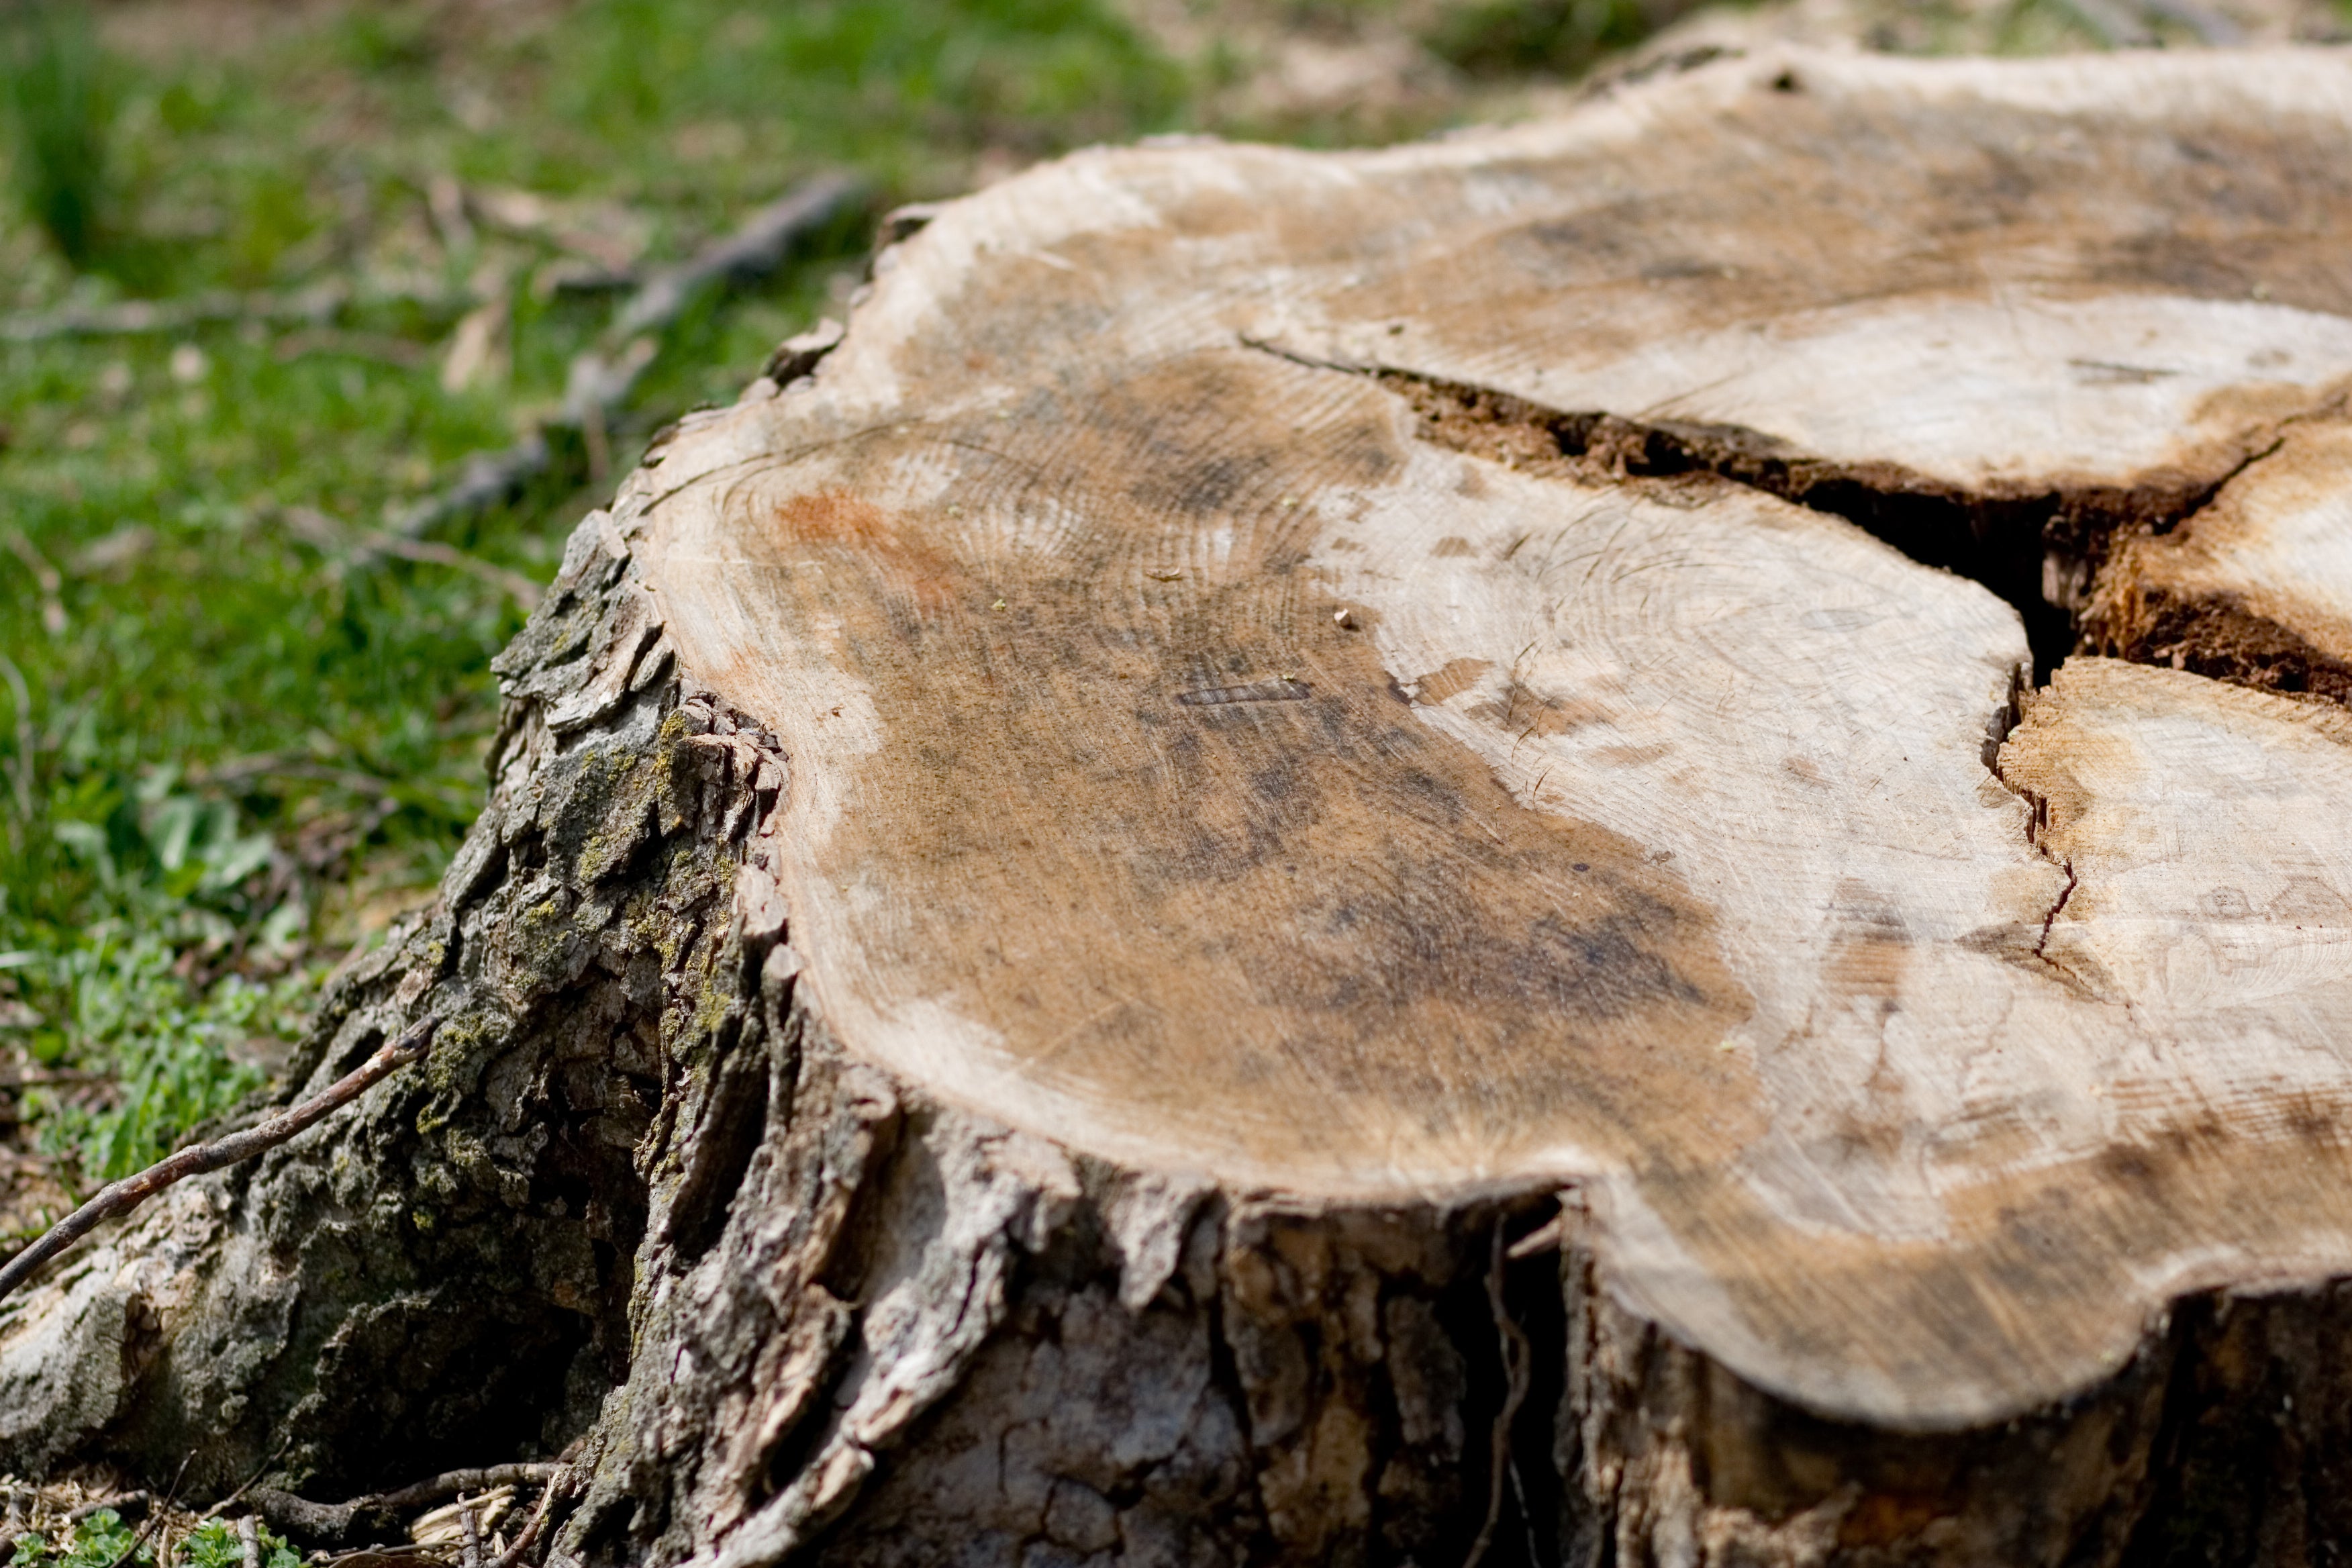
x=242, y=738
x=227, y=718
x=60, y=113
x=1496, y=37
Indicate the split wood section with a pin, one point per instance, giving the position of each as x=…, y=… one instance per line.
x=1383, y=676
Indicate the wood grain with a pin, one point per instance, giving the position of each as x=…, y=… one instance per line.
x=1210, y=753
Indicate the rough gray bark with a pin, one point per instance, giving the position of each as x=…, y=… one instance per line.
x=641, y=1207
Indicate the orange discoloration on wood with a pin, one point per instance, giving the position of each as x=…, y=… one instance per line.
x=1457, y=676
x=853, y=534
x=1180, y=850
x=1220, y=761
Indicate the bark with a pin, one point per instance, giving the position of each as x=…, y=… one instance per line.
x=1913, y=1141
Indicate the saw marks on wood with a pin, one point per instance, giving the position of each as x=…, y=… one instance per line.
x=1217, y=750
x=1139, y=837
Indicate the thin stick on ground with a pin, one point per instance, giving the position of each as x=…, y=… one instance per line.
x=356, y=544
x=44, y=577
x=121, y=1197
x=147, y=318
x=337, y=1521
x=21, y=773
x=156, y=1513
x=118, y=1502
x=246, y=1485
x=603, y=379
x=1501, y=1466
x=530, y=1536
x=450, y=1484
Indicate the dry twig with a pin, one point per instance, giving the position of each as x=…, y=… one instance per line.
x=556, y=1485
x=398, y=352
x=117, y=1501
x=121, y=1197
x=246, y=1485
x=450, y=1484
x=1517, y=1355
x=602, y=380
x=21, y=775
x=288, y=766
x=141, y=317
x=157, y=1511
x=2129, y=24
x=358, y=544
x=334, y=1522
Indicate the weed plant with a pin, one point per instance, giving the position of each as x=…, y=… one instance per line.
x=100, y=1540
x=213, y=1544
x=104, y=1541
x=59, y=105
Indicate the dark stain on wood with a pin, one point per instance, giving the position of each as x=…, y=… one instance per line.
x=1176, y=842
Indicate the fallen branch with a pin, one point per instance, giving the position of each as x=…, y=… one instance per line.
x=749, y=254
x=483, y=480
x=121, y=1197
x=51, y=1077
x=602, y=380
x=556, y=1486
x=246, y=1485
x=334, y=1522
x=1500, y=1463
x=2209, y=25
x=142, y=318
x=290, y=765
x=126, y=1505
x=514, y=585
x=450, y=1483
x=382, y=347
x=357, y=543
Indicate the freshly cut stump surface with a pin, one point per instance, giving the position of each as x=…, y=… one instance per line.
x=1280, y=688
x=1628, y=840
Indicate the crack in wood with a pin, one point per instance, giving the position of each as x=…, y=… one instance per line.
x=2041, y=949
x=2021, y=540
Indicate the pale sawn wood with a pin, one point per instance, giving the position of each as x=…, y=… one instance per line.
x=1208, y=757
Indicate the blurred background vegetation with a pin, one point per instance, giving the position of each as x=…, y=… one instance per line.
x=271, y=269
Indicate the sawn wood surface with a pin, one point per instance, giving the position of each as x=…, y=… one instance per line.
x=1250, y=716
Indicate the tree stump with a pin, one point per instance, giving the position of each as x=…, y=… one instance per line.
x=1627, y=841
